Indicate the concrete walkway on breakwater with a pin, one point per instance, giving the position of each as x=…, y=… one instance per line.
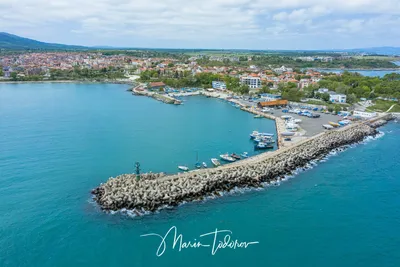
x=161, y=97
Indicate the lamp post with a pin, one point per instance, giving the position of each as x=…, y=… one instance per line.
x=137, y=166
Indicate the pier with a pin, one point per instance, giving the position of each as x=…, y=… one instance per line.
x=155, y=191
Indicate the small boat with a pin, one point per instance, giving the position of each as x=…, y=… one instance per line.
x=288, y=134
x=204, y=165
x=198, y=165
x=266, y=134
x=262, y=145
x=327, y=126
x=215, y=162
x=235, y=156
x=183, y=168
x=254, y=134
x=334, y=124
x=244, y=155
x=258, y=116
x=226, y=157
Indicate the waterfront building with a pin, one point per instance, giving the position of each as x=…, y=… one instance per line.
x=218, y=85
x=156, y=86
x=363, y=114
x=253, y=81
x=279, y=102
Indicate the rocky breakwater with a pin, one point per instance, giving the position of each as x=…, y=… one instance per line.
x=154, y=191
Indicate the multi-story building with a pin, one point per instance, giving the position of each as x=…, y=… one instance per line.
x=253, y=81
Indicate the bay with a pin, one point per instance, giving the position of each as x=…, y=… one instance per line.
x=58, y=141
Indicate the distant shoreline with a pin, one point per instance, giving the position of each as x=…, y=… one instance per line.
x=67, y=81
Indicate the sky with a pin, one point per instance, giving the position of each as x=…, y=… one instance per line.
x=214, y=24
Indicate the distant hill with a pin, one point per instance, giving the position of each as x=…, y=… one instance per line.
x=13, y=42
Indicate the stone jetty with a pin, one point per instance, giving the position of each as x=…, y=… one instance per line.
x=155, y=191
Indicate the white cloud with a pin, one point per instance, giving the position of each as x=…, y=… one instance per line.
x=200, y=23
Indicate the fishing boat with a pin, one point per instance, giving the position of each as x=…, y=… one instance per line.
x=288, y=134
x=204, y=165
x=258, y=116
x=244, y=155
x=254, y=134
x=262, y=145
x=226, y=157
x=334, y=124
x=198, y=165
x=215, y=162
x=266, y=134
x=235, y=156
x=183, y=168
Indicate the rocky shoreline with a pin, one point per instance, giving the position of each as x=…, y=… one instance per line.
x=157, y=190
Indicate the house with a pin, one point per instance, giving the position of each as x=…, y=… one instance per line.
x=218, y=85
x=333, y=96
x=252, y=80
x=156, y=85
x=337, y=98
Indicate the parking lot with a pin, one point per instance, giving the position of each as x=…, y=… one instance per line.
x=312, y=126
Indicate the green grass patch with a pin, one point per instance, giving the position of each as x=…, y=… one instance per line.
x=383, y=106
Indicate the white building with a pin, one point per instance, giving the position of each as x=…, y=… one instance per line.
x=364, y=115
x=337, y=98
x=252, y=81
x=218, y=85
x=333, y=96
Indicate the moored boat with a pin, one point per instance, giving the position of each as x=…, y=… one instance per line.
x=262, y=145
x=183, y=168
x=198, y=165
x=204, y=165
x=215, y=162
x=244, y=155
x=226, y=157
x=258, y=116
x=235, y=156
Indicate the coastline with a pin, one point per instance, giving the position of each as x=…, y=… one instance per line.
x=68, y=81
x=158, y=191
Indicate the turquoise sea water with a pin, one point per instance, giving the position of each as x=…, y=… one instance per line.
x=58, y=141
x=371, y=73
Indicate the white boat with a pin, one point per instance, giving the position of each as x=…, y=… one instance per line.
x=183, y=168
x=215, y=162
x=286, y=117
x=254, y=134
x=204, y=165
x=297, y=121
x=327, y=126
x=226, y=157
x=244, y=155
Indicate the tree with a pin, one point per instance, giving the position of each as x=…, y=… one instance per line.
x=265, y=90
x=1, y=72
x=325, y=97
x=337, y=108
x=351, y=98
x=13, y=76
